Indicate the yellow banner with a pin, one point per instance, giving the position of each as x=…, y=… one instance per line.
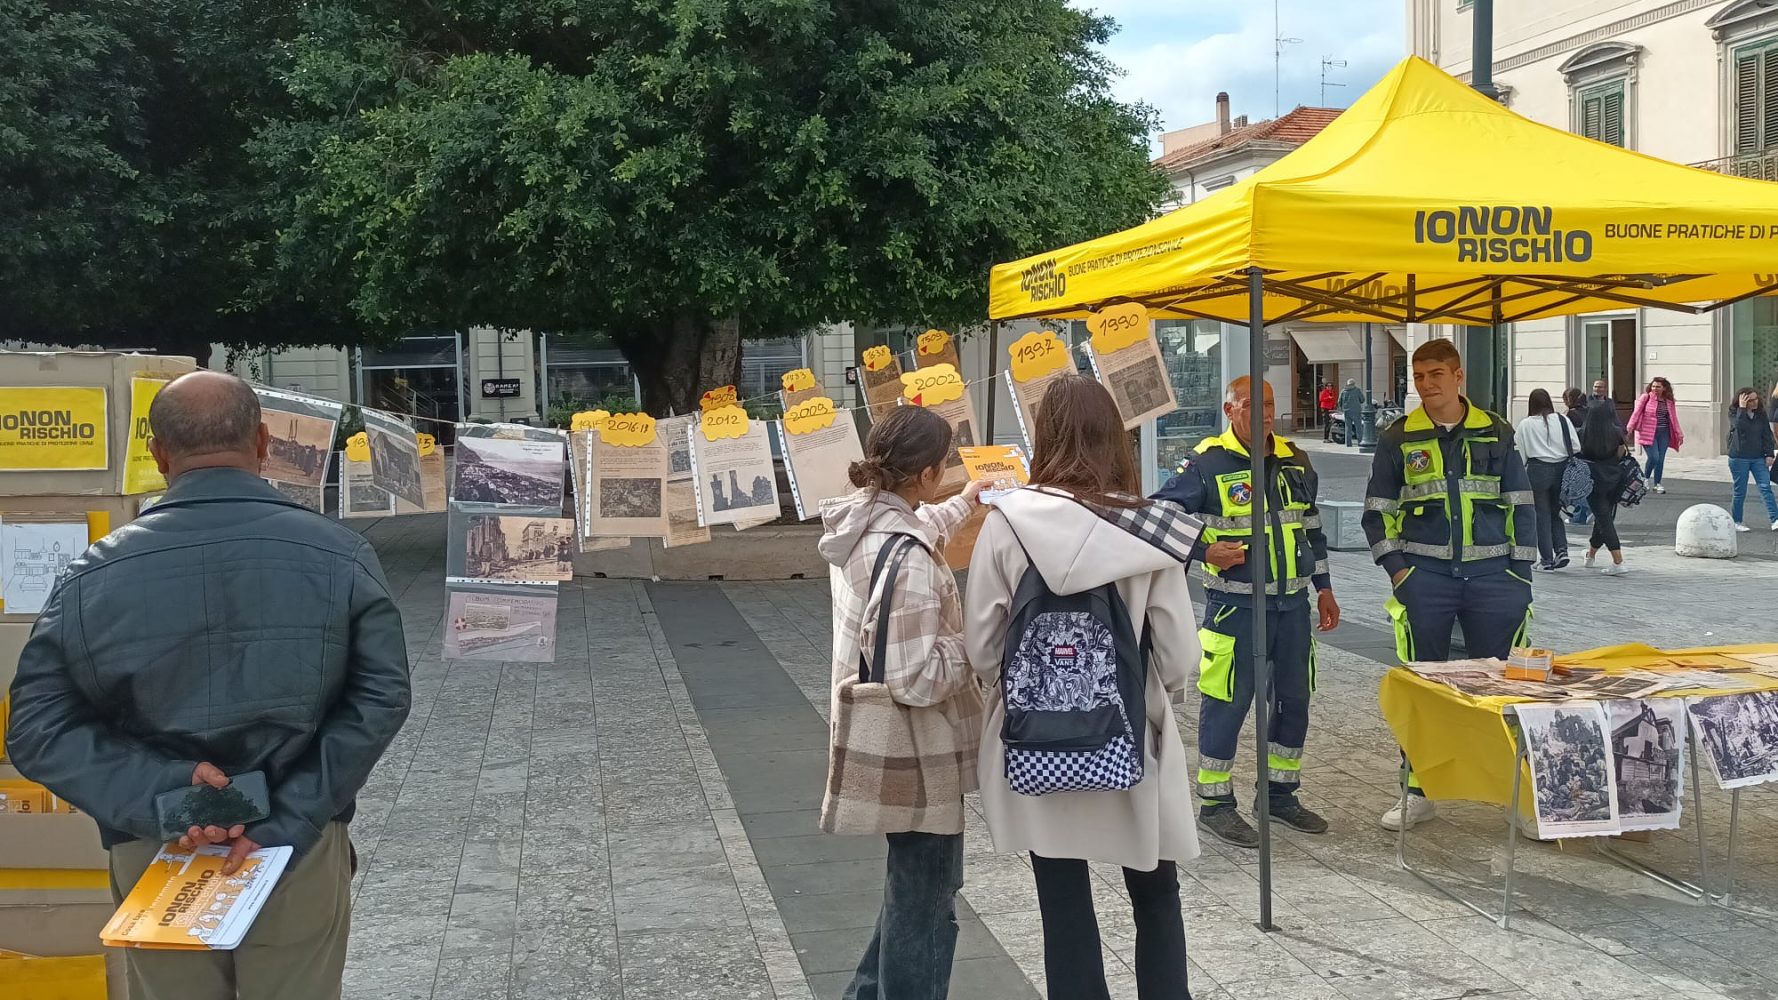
x=139, y=472
x=53, y=428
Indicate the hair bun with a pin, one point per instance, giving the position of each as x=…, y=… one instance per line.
x=865, y=472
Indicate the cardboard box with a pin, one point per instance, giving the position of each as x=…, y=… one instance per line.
x=59, y=923
x=103, y=515
x=76, y=369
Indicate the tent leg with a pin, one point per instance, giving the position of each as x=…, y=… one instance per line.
x=994, y=367
x=1262, y=663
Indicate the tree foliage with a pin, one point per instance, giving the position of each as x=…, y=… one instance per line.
x=678, y=173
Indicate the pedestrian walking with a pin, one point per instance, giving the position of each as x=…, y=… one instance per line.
x=1082, y=533
x=1576, y=402
x=906, y=709
x=1772, y=410
x=1215, y=482
x=1654, y=425
x=1547, y=442
x=227, y=630
x=1604, y=445
x=1751, y=449
x=1352, y=406
x=1326, y=405
x=1450, y=517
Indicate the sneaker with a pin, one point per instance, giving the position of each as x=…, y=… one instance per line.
x=1298, y=817
x=1226, y=824
x=1419, y=810
x=1615, y=569
x=1742, y=527
x=1561, y=562
x=1775, y=525
x=1589, y=561
x=1546, y=566
x=1659, y=488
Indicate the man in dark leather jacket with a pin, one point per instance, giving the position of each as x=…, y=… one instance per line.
x=226, y=630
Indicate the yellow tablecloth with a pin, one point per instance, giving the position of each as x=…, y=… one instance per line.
x=1461, y=747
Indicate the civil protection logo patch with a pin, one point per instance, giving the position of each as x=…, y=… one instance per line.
x=1419, y=460
x=1241, y=493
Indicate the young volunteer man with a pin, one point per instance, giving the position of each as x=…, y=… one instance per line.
x=1450, y=517
x=1216, y=483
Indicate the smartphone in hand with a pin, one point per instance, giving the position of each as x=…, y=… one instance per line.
x=245, y=800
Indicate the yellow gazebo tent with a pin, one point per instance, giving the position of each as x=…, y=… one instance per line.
x=1427, y=202
x=1424, y=202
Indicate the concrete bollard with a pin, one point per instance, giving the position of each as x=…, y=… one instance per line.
x=1705, y=531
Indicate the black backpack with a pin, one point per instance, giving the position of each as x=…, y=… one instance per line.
x=1074, y=681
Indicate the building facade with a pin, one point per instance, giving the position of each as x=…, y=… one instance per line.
x=1692, y=81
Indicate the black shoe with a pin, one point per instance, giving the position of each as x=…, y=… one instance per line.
x=1226, y=825
x=1561, y=562
x=1298, y=817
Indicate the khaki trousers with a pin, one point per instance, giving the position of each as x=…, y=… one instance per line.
x=296, y=949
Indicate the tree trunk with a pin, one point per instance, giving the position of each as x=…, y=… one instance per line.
x=683, y=356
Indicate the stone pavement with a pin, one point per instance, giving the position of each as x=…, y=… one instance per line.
x=636, y=821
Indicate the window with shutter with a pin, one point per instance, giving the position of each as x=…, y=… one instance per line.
x=1747, y=118
x=1611, y=118
x=1590, y=116
x=1768, y=99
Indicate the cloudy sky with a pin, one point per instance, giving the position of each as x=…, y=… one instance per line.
x=1176, y=54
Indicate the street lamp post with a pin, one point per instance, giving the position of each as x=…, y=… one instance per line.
x=1367, y=414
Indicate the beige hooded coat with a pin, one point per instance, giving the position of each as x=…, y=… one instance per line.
x=1076, y=550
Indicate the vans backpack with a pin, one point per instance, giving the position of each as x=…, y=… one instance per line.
x=1074, y=684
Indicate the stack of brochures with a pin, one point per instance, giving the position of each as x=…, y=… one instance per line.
x=185, y=902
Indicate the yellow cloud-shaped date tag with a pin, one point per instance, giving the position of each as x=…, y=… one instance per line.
x=428, y=444
x=1118, y=327
x=718, y=398
x=811, y=414
x=627, y=430
x=933, y=342
x=798, y=379
x=589, y=420
x=932, y=386
x=358, y=447
x=1036, y=354
x=726, y=422
x=877, y=358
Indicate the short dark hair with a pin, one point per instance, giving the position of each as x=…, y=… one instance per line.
x=1438, y=350
x=218, y=413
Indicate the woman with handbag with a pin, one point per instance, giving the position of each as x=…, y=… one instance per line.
x=1083, y=527
x=1603, y=445
x=1576, y=403
x=1548, y=444
x=906, y=709
x=1654, y=425
x=1750, y=448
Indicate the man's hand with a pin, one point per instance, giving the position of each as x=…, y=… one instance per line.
x=1225, y=555
x=973, y=492
x=1329, y=609
x=1395, y=581
x=237, y=853
x=209, y=774
x=204, y=836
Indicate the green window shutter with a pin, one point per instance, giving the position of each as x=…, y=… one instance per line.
x=1611, y=117
x=1747, y=102
x=1768, y=99
x=1591, y=115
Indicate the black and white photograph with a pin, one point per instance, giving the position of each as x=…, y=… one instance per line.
x=394, y=457
x=359, y=497
x=680, y=496
x=519, y=549
x=630, y=498
x=1571, y=769
x=1739, y=733
x=432, y=486
x=1138, y=381
x=628, y=483
x=737, y=483
x=301, y=432
x=1648, y=761
x=488, y=623
x=312, y=497
x=508, y=472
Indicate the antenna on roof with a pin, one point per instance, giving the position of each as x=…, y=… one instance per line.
x=1327, y=63
x=1278, y=43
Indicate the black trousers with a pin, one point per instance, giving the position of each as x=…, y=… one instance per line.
x=1605, y=519
x=1074, y=965
x=1546, y=490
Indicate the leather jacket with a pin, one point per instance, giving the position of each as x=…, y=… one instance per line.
x=226, y=625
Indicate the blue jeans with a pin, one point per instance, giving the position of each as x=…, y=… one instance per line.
x=1739, y=470
x=1657, y=459
x=909, y=955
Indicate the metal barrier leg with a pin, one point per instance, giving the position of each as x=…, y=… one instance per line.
x=1504, y=917
x=1728, y=868
x=1520, y=756
x=1699, y=890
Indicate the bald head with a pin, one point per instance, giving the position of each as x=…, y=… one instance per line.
x=206, y=419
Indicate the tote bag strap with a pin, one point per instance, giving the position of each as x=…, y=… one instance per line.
x=893, y=553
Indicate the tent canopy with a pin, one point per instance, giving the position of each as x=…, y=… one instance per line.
x=1427, y=202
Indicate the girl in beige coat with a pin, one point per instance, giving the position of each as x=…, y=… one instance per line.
x=1071, y=522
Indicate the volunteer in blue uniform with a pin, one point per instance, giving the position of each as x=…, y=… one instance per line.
x=1215, y=482
x=1450, y=517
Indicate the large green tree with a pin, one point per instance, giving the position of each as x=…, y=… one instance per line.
x=127, y=194
x=677, y=172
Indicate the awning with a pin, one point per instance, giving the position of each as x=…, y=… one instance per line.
x=1400, y=333
x=1328, y=346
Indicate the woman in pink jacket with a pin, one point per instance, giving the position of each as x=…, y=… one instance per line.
x=1654, y=425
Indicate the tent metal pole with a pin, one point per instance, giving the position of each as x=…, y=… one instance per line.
x=1259, y=558
x=994, y=370
x=1481, y=74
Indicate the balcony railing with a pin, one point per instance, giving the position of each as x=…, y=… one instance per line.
x=1762, y=165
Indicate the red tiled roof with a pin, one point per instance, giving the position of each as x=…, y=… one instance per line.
x=1293, y=129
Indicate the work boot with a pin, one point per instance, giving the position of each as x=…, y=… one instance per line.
x=1225, y=824
x=1297, y=816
